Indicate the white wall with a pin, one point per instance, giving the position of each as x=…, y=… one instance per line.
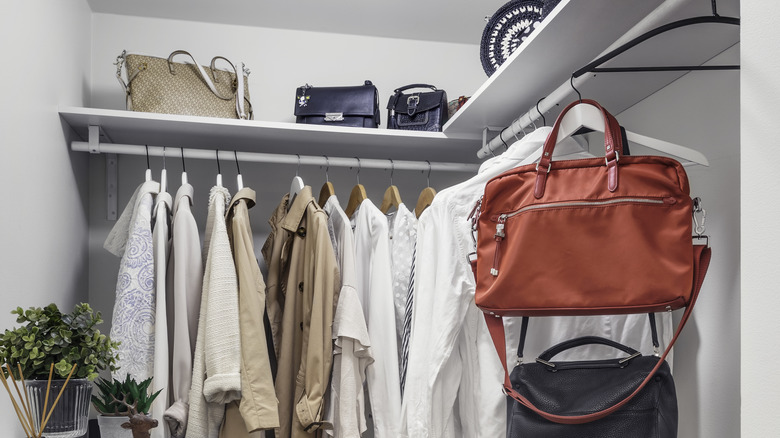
x=280, y=61
x=701, y=111
x=760, y=211
x=43, y=228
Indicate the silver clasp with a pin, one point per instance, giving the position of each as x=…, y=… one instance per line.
x=699, y=212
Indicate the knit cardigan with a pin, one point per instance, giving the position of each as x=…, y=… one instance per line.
x=216, y=378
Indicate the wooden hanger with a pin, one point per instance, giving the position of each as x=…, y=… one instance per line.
x=327, y=189
x=392, y=197
x=426, y=195
x=425, y=199
x=357, y=196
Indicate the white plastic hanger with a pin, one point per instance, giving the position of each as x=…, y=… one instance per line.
x=219, y=172
x=183, y=169
x=163, y=176
x=588, y=116
x=297, y=184
x=239, y=179
x=148, y=174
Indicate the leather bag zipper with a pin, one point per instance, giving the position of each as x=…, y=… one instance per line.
x=500, y=234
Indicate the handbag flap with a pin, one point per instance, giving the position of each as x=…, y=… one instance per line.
x=427, y=101
x=352, y=101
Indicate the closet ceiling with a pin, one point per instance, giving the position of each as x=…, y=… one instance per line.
x=455, y=21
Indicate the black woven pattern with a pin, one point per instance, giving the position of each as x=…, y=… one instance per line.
x=508, y=28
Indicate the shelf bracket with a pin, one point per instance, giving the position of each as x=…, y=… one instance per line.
x=112, y=172
x=111, y=186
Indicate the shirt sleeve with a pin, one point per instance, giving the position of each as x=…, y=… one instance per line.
x=314, y=374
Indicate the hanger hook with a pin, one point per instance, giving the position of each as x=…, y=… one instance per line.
x=297, y=169
x=715, y=8
x=533, y=121
x=148, y=166
x=219, y=169
x=429, y=172
x=506, y=146
x=163, y=157
x=358, y=171
x=327, y=167
x=238, y=168
x=544, y=121
x=571, y=82
x=392, y=170
x=183, y=167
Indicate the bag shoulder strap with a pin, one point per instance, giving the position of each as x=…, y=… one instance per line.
x=702, y=255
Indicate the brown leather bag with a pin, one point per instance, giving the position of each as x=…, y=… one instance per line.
x=592, y=236
x=587, y=237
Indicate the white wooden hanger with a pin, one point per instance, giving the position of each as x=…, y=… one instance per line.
x=588, y=116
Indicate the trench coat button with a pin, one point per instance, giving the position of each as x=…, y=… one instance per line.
x=300, y=287
x=301, y=232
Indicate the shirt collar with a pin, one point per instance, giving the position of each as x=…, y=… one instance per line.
x=184, y=194
x=297, y=209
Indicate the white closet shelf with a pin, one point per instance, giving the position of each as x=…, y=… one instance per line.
x=129, y=127
x=572, y=35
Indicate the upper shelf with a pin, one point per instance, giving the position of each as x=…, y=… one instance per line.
x=574, y=33
x=151, y=129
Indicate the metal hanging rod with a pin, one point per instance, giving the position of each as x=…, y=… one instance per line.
x=260, y=157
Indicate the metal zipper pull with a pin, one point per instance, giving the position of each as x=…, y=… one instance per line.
x=499, y=236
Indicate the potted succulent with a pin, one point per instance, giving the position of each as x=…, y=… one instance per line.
x=117, y=401
x=51, y=350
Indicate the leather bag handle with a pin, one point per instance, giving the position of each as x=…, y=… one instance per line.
x=200, y=69
x=551, y=352
x=613, y=148
x=407, y=87
x=701, y=261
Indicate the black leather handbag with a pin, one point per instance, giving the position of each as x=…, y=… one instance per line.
x=338, y=106
x=585, y=387
x=421, y=111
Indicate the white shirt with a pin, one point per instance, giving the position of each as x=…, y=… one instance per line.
x=403, y=234
x=352, y=349
x=375, y=286
x=161, y=242
x=451, y=353
x=185, y=280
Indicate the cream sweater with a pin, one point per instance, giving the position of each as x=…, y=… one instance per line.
x=216, y=378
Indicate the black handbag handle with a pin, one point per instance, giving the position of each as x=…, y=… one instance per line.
x=407, y=87
x=551, y=352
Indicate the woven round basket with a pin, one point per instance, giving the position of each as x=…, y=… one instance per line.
x=508, y=28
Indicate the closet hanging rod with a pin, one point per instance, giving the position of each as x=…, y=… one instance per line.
x=651, y=24
x=260, y=157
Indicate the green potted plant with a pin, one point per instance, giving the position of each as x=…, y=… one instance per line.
x=52, y=346
x=116, y=401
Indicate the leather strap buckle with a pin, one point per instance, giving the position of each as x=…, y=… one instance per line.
x=606, y=161
x=549, y=166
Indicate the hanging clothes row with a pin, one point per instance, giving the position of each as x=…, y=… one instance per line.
x=235, y=355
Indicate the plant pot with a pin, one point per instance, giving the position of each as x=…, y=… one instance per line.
x=70, y=416
x=111, y=427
